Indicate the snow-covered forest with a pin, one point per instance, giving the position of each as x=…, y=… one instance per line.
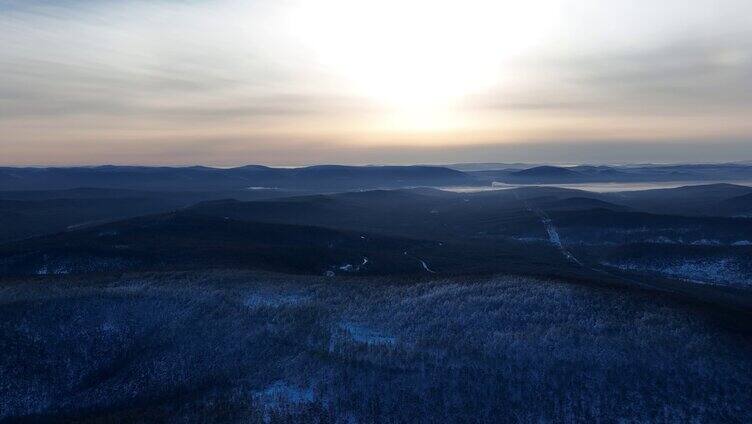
x=240, y=346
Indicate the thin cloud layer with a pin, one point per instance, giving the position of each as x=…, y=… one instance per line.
x=233, y=82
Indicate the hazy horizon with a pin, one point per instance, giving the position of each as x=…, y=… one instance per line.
x=558, y=154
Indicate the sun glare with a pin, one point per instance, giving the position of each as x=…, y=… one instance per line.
x=417, y=58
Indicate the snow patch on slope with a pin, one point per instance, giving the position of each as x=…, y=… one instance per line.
x=722, y=271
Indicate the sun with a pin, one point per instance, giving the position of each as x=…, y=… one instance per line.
x=418, y=58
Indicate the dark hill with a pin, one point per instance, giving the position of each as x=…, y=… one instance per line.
x=707, y=199
x=582, y=203
x=186, y=240
x=32, y=213
x=740, y=205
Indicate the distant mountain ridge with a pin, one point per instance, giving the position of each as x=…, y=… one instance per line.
x=547, y=174
x=332, y=178
x=322, y=177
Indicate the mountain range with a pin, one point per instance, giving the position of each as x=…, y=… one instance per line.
x=340, y=178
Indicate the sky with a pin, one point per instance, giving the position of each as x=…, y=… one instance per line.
x=295, y=82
